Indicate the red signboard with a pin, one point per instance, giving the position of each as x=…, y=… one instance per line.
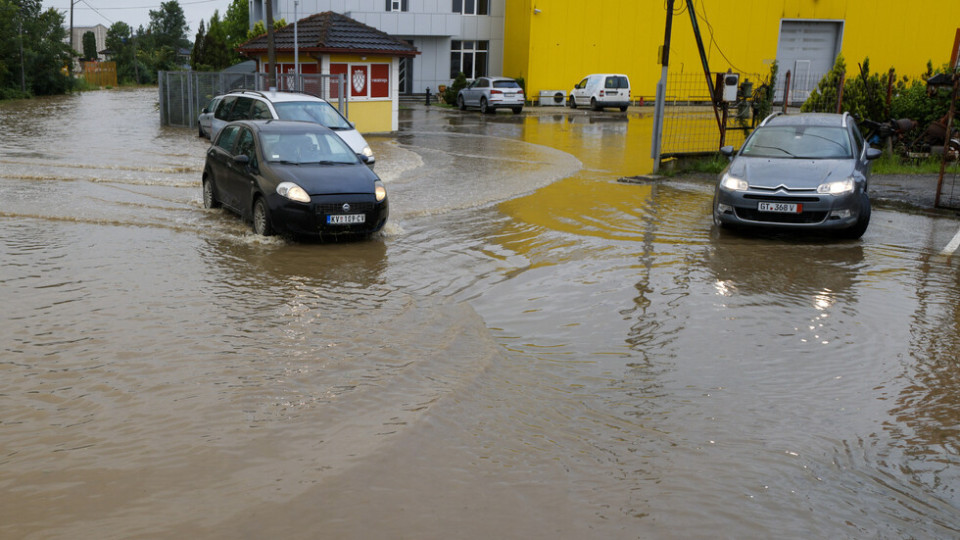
x=336, y=69
x=380, y=80
x=358, y=80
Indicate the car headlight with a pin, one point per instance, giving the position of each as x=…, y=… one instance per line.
x=367, y=151
x=734, y=183
x=379, y=190
x=836, y=188
x=293, y=192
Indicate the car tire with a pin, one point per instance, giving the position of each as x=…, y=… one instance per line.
x=573, y=102
x=261, y=218
x=716, y=217
x=484, y=107
x=200, y=130
x=863, y=221
x=209, y=195
x=594, y=105
x=517, y=110
x=460, y=104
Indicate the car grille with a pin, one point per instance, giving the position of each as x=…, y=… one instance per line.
x=782, y=198
x=337, y=208
x=751, y=214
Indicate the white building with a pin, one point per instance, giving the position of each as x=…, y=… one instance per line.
x=99, y=34
x=451, y=35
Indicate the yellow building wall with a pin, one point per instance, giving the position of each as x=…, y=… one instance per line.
x=372, y=116
x=555, y=48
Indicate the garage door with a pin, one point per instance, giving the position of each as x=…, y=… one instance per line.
x=807, y=49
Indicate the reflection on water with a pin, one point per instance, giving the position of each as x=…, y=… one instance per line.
x=533, y=350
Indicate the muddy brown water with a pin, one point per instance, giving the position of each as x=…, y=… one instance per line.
x=530, y=349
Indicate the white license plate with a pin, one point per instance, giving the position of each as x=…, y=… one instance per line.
x=780, y=208
x=346, y=219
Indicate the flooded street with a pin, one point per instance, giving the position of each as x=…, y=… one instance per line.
x=530, y=349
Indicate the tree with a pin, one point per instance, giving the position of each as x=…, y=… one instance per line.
x=198, y=55
x=168, y=31
x=824, y=96
x=218, y=53
x=32, y=53
x=259, y=28
x=89, y=46
x=236, y=22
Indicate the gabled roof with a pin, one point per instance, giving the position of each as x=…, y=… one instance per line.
x=330, y=32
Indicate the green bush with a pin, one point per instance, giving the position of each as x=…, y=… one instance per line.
x=450, y=95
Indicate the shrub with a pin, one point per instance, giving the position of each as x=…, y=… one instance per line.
x=450, y=95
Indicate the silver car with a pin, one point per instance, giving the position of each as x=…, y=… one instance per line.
x=205, y=120
x=805, y=171
x=492, y=93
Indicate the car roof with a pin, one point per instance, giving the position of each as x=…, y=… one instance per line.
x=807, y=119
x=278, y=97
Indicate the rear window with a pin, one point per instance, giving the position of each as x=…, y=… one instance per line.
x=318, y=112
x=617, y=82
x=505, y=84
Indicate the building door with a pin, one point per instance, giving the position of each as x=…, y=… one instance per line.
x=808, y=50
x=405, y=80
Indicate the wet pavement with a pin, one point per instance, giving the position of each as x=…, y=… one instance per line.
x=531, y=349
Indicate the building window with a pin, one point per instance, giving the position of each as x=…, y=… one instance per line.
x=471, y=7
x=397, y=5
x=470, y=57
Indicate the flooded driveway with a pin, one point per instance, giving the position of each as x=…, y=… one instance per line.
x=530, y=350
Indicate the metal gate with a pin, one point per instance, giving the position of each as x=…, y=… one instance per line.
x=183, y=94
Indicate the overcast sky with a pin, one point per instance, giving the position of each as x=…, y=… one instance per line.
x=134, y=12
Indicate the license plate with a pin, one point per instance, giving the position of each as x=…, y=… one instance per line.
x=346, y=219
x=780, y=208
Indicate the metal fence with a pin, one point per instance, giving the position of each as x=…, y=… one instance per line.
x=184, y=94
x=690, y=125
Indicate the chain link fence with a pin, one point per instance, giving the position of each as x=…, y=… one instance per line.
x=184, y=94
x=692, y=127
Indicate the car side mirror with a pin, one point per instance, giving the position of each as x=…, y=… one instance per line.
x=873, y=153
x=205, y=110
x=727, y=151
x=242, y=159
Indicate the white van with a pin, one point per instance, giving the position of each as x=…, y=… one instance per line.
x=601, y=90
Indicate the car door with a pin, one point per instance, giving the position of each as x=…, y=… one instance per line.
x=220, y=165
x=470, y=94
x=580, y=91
x=221, y=115
x=482, y=90
x=243, y=176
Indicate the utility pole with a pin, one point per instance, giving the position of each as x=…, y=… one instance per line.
x=271, y=50
x=661, y=91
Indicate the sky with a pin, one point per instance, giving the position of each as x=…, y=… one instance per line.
x=133, y=12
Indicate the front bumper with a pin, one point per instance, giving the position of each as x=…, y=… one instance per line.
x=311, y=219
x=817, y=211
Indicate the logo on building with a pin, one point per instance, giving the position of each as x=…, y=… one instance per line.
x=359, y=80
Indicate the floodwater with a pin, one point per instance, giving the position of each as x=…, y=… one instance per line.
x=530, y=349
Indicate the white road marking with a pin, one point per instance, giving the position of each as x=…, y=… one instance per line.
x=952, y=247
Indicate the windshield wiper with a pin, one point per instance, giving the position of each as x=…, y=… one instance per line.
x=787, y=152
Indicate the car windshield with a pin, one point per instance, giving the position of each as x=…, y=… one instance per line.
x=306, y=148
x=799, y=142
x=319, y=112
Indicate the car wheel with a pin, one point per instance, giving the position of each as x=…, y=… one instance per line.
x=716, y=216
x=484, y=107
x=460, y=104
x=593, y=104
x=573, y=102
x=209, y=198
x=517, y=110
x=261, y=218
x=863, y=221
x=200, y=130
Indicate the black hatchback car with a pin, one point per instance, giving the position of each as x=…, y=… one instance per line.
x=801, y=171
x=293, y=177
